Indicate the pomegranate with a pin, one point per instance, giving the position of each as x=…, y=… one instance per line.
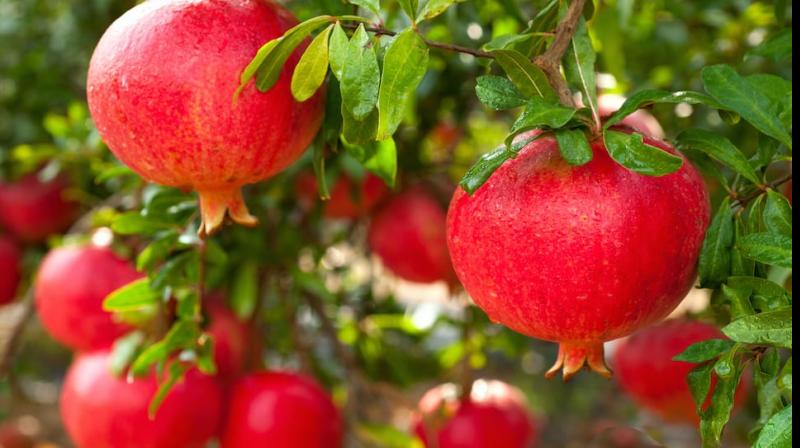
x=32, y=210
x=232, y=339
x=347, y=201
x=160, y=88
x=10, y=270
x=641, y=120
x=494, y=415
x=408, y=234
x=578, y=255
x=646, y=371
x=281, y=410
x=103, y=411
x=69, y=291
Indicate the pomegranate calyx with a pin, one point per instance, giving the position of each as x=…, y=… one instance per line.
x=215, y=204
x=572, y=356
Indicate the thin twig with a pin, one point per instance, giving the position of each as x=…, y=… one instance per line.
x=381, y=31
x=8, y=346
x=743, y=201
x=550, y=60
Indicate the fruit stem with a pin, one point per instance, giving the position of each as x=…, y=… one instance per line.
x=572, y=356
x=215, y=204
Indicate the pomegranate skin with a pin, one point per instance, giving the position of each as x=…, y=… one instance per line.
x=495, y=415
x=281, y=410
x=646, y=372
x=102, y=411
x=10, y=270
x=347, y=201
x=70, y=287
x=161, y=89
x=578, y=255
x=640, y=120
x=32, y=210
x=232, y=339
x=408, y=234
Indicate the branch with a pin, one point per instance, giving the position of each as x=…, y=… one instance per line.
x=743, y=201
x=381, y=31
x=550, y=60
x=19, y=315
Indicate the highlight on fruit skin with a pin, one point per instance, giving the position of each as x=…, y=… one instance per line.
x=160, y=88
x=578, y=255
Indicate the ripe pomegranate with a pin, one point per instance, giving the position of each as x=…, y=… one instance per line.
x=494, y=415
x=160, y=88
x=347, y=201
x=103, y=411
x=641, y=120
x=578, y=255
x=281, y=410
x=408, y=234
x=232, y=339
x=646, y=371
x=69, y=291
x=10, y=270
x=32, y=210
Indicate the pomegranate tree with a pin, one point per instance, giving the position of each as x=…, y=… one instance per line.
x=348, y=199
x=408, y=234
x=160, y=88
x=70, y=287
x=281, y=409
x=495, y=414
x=100, y=410
x=645, y=369
x=578, y=255
x=32, y=210
x=10, y=261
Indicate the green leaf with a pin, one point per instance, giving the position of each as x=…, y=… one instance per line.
x=720, y=149
x=133, y=296
x=378, y=157
x=404, y=66
x=337, y=50
x=778, y=214
x=133, y=223
x=726, y=86
x=498, y=93
x=699, y=380
x=740, y=265
x=644, y=98
x=309, y=74
x=579, y=67
x=777, y=47
x=386, y=436
x=409, y=7
x=157, y=250
x=373, y=6
x=574, y=146
x=183, y=334
x=175, y=373
x=777, y=433
x=480, y=172
x=124, y=351
x=539, y=113
x=717, y=415
x=244, y=291
x=771, y=292
x=359, y=132
x=739, y=300
x=254, y=65
x=785, y=377
x=767, y=248
x=770, y=327
x=272, y=66
x=704, y=350
x=529, y=79
x=630, y=151
x=715, y=256
x=361, y=76
x=433, y=8
x=505, y=41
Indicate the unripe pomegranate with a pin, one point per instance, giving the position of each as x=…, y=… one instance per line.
x=494, y=415
x=348, y=200
x=641, y=120
x=10, y=270
x=69, y=291
x=160, y=88
x=100, y=410
x=32, y=210
x=408, y=234
x=232, y=339
x=281, y=410
x=645, y=369
x=578, y=255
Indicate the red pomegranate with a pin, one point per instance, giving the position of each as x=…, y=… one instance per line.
x=10, y=270
x=281, y=410
x=645, y=369
x=578, y=255
x=348, y=200
x=32, y=210
x=232, y=339
x=408, y=234
x=641, y=120
x=160, y=88
x=69, y=291
x=100, y=410
x=495, y=415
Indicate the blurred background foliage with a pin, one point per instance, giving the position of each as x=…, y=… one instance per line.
x=408, y=342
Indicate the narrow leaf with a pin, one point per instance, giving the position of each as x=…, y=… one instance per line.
x=630, y=151
x=361, y=76
x=404, y=66
x=715, y=256
x=579, y=67
x=529, y=79
x=778, y=214
x=767, y=248
x=574, y=146
x=777, y=47
x=433, y=8
x=717, y=415
x=770, y=327
x=310, y=72
x=337, y=50
x=644, y=98
x=374, y=6
x=133, y=296
x=720, y=149
x=498, y=93
x=539, y=113
x=699, y=380
x=777, y=433
x=704, y=350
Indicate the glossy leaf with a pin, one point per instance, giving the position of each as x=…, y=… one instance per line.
x=539, y=113
x=498, y=92
x=644, y=98
x=337, y=50
x=404, y=66
x=699, y=380
x=574, y=146
x=528, y=78
x=717, y=415
x=310, y=72
x=720, y=149
x=778, y=214
x=715, y=256
x=579, y=67
x=704, y=350
x=361, y=76
x=767, y=248
x=777, y=433
x=630, y=151
x=770, y=327
x=133, y=296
